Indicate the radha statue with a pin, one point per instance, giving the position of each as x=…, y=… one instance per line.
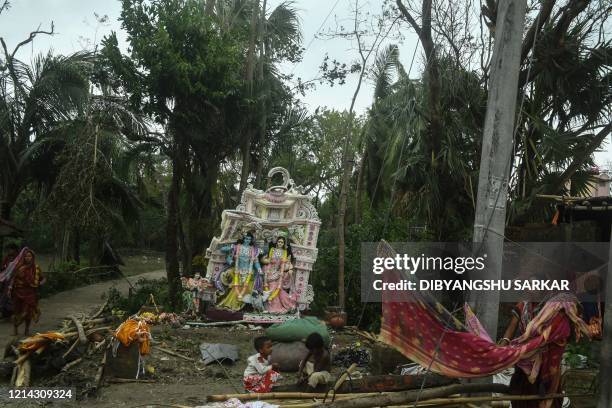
x=245, y=271
x=278, y=271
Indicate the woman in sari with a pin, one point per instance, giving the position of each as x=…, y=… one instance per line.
x=25, y=279
x=558, y=319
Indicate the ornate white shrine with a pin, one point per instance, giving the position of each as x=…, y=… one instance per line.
x=282, y=210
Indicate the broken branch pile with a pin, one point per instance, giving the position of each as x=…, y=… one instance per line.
x=59, y=351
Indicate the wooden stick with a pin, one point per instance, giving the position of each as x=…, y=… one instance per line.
x=344, y=376
x=99, y=312
x=22, y=358
x=174, y=353
x=98, y=346
x=72, y=364
x=98, y=329
x=93, y=322
x=277, y=395
x=100, y=373
x=14, y=375
x=23, y=375
x=79, y=327
x=128, y=380
x=71, y=349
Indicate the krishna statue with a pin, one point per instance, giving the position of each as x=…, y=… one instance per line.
x=244, y=273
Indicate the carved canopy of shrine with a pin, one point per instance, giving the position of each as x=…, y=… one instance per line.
x=281, y=210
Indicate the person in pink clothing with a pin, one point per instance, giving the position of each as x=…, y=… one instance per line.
x=260, y=375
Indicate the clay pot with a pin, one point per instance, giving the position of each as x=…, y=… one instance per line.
x=335, y=317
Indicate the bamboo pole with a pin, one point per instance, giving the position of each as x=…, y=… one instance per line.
x=399, y=398
x=440, y=402
x=277, y=395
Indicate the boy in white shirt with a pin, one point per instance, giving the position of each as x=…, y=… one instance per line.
x=260, y=375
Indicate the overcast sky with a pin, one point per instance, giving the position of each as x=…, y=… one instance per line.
x=77, y=28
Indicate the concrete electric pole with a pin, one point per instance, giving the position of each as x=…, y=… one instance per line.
x=495, y=162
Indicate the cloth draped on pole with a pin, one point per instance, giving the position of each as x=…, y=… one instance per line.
x=425, y=332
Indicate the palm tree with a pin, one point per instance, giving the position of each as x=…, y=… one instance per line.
x=94, y=192
x=35, y=102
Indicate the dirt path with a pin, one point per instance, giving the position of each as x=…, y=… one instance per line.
x=55, y=308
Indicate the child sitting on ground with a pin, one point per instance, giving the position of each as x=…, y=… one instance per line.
x=316, y=366
x=260, y=375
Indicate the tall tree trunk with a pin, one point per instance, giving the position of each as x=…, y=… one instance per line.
x=432, y=86
x=249, y=76
x=266, y=96
x=172, y=261
x=347, y=162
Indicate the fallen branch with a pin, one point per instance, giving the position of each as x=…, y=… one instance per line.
x=91, y=323
x=98, y=329
x=100, y=311
x=14, y=375
x=23, y=374
x=100, y=373
x=22, y=358
x=72, y=364
x=71, y=349
x=343, y=378
x=98, y=346
x=175, y=354
x=79, y=327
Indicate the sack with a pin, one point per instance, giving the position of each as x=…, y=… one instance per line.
x=288, y=355
x=298, y=330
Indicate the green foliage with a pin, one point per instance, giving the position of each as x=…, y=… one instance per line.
x=575, y=351
x=139, y=297
x=375, y=225
x=70, y=275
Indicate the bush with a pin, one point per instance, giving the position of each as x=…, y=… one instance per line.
x=324, y=277
x=140, y=295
